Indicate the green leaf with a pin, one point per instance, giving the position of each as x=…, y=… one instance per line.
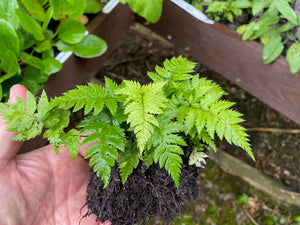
x=35, y=9
x=169, y=157
x=43, y=105
x=217, y=6
x=32, y=85
x=272, y=49
x=102, y=164
x=142, y=102
x=149, y=9
x=31, y=60
x=266, y=23
x=109, y=140
x=43, y=2
x=168, y=130
x=296, y=218
x=6, y=9
x=91, y=46
x=92, y=6
x=71, y=140
x=67, y=9
x=32, y=73
x=30, y=25
x=10, y=65
x=128, y=160
x=64, y=47
x=92, y=97
x=293, y=57
x=9, y=39
x=248, y=30
x=257, y=6
x=51, y=65
x=43, y=46
x=242, y=4
x=48, y=17
x=241, y=29
x=286, y=27
x=287, y=12
x=71, y=31
x=26, y=40
x=29, y=127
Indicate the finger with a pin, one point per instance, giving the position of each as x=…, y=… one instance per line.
x=83, y=149
x=8, y=148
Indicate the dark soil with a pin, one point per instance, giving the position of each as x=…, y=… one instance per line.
x=146, y=193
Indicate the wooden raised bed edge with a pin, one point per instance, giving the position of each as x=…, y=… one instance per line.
x=223, y=50
x=256, y=179
x=111, y=27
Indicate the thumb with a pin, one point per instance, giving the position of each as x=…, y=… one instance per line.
x=8, y=148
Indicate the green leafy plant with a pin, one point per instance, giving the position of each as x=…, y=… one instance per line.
x=149, y=9
x=221, y=10
x=32, y=32
x=274, y=23
x=129, y=123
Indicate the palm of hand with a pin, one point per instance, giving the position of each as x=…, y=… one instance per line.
x=46, y=188
x=41, y=187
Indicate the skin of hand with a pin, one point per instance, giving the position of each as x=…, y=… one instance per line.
x=41, y=187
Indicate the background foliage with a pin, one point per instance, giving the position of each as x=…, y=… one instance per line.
x=274, y=23
x=32, y=32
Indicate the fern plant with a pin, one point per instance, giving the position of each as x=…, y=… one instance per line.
x=131, y=123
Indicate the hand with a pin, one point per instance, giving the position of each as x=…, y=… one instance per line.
x=41, y=187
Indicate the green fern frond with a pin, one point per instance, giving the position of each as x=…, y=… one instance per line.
x=71, y=140
x=168, y=156
x=56, y=120
x=22, y=118
x=166, y=143
x=176, y=69
x=109, y=140
x=92, y=98
x=142, y=104
x=102, y=160
x=128, y=160
x=206, y=113
x=175, y=74
x=207, y=139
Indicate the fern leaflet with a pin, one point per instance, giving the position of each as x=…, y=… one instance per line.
x=166, y=143
x=128, y=160
x=109, y=140
x=207, y=113
x=142, y=104
x=91, y=97
x=22, y=118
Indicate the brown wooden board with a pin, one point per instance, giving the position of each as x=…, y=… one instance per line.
x=111, y=27
x=239, y=61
